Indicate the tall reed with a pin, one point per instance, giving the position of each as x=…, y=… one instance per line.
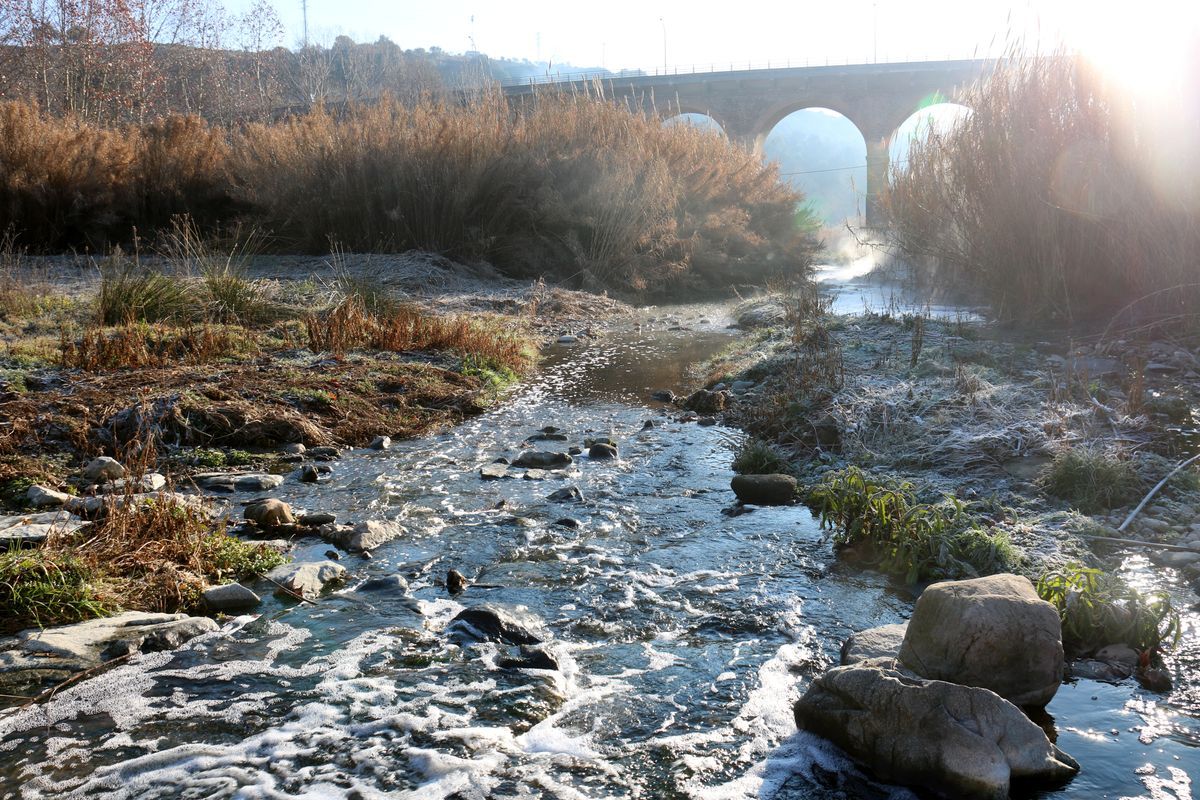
x=1049, y=200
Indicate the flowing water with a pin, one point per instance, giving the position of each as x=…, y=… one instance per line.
x=683, y=637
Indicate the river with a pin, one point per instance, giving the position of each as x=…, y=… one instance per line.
x=683, y=635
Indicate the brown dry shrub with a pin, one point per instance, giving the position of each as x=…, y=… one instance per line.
x=139, y=345
x=350, y=326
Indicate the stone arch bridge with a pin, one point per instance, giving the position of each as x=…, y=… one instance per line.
x=747, y=104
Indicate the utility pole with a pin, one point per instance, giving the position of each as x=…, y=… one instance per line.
x=304, y=11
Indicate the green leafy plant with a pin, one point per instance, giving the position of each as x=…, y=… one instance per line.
x=882, y=521
x=1099, y=608
x=225, y=556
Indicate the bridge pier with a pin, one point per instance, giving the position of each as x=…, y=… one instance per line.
x=877, y=178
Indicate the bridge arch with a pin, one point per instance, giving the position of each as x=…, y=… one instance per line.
x=940, y=117
x=696, y=119
x=823, y=153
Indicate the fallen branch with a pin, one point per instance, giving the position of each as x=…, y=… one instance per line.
x=289, y=592
x=48, y=695
x=1154, y=491
x=1179, y=548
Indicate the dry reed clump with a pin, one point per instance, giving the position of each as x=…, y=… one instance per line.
x=139, y=345
x=571, y=186
x=566, y=185
x=1050, y=200
x=68, y=183
x=349, y=326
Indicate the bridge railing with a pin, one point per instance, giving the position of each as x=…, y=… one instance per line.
x=723, y=67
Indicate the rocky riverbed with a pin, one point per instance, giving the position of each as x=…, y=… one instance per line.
x=608, y=622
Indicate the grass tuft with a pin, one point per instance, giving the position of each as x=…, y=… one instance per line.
x=1091, y=480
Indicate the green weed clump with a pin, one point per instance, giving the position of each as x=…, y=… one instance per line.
x=887, y=527
x=1053, y=199
x=756, y=457
x=42, y=587
x=1099, y=609
x=1091, y=480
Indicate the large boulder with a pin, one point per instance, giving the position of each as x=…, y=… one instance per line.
x=958, y=741
x=764, y=490
x=992, y=632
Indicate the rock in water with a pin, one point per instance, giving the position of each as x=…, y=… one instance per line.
x=702, y=401
x=456, y=582
x=992, y=632
x=764, y=490
x=269, y=513
x=54, y=654
x=307, y=578
x=381, y=443
x=229, y=597
x=365, y=535
x=568, y=494
x=601, y=451
x=534, y=657
x=542, y=459
x=104, y=469
x=494, y=471
x=309, y=474
x=497, y=624
x=959, y=741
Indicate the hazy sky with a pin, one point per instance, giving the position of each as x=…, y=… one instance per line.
x=623, y=33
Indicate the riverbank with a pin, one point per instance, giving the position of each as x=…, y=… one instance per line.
x=945, y=448
x=262, y=369
x=675, y=629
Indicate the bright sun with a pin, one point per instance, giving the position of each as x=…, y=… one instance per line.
x=1144, y=46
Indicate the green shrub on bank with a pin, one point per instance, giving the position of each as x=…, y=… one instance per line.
x=41, y=587
x=1099, y=609
x=886, y=527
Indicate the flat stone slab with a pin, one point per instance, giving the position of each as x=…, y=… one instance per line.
x=493, y=472
x=30, y=529
x=364, y=535
x=54, y=654
x=239, y=481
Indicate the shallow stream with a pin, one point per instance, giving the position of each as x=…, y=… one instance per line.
x=684, y=636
